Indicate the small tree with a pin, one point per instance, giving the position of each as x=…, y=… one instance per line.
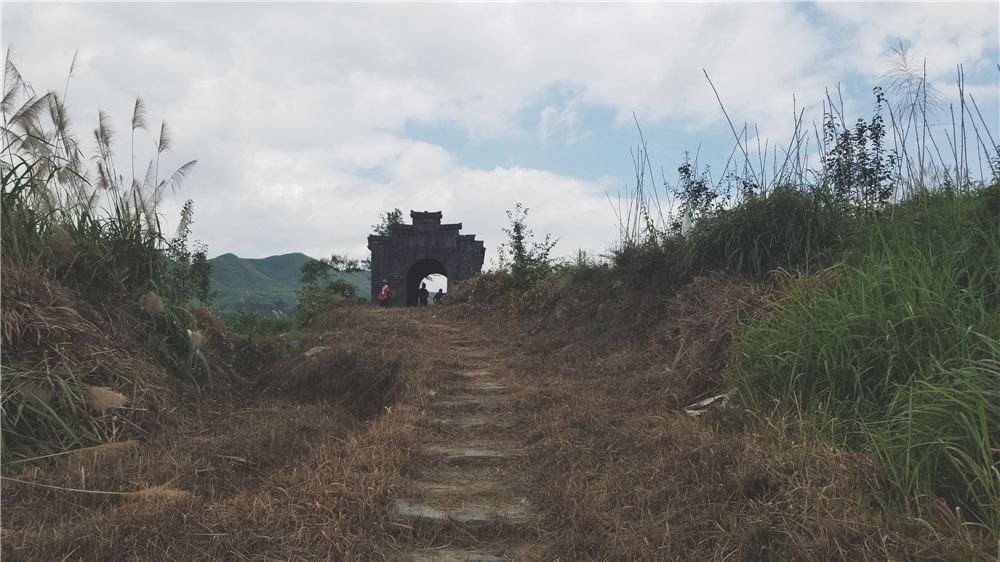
x=321, y=287
x=387, y=220
x=527, y=260
x=695, y=194
x=201, y=274
x=188, y=269
x=858, y=168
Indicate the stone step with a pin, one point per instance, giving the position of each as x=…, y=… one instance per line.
x=461, y=478
x=475, y=373
x=463, y=404
x=476, y=353
x=470, y=453
x=472, y=516
x=466, y=343
x=445, y=327
x=454, y=555
x=472, y=422
x=466, y=487
x=484, y=387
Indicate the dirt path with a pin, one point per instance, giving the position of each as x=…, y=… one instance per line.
x=464, y=503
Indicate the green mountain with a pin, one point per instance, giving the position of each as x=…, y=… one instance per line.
x=265, y=285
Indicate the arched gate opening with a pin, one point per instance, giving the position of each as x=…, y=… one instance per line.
x=417, y=272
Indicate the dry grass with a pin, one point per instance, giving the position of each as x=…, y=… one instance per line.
x=276, y=472
x=67, y=361
x=625, y=474
x=303, y=457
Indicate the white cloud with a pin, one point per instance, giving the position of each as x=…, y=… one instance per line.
x=562, y=116
x=297, y=113
x=945, y=33
x=303, y=207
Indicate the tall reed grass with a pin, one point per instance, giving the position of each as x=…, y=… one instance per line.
x=79, y=238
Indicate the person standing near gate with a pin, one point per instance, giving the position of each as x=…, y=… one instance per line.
x=383, y=295
x=422, y=295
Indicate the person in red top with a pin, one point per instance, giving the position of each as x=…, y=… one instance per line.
x=383, y=295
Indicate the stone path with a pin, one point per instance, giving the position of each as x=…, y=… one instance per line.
x=464, y=504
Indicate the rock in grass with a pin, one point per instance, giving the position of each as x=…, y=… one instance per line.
x=316, y=350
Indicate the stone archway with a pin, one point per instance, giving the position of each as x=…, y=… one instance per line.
x=418, y=271
x=410, y=252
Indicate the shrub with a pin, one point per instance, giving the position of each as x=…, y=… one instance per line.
x=322, y=287
x=481, y=289
x=860, y=170
x=526, y=259
x=254, y=324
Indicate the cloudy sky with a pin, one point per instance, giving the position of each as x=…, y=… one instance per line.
x=308, y=120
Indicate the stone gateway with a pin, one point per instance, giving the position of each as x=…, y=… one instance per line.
x=411, y=252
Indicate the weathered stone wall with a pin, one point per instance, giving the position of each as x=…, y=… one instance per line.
x=413, y=251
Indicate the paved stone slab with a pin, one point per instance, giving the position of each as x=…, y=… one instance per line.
x=472, y=422
x=485, y=388
x=459, y=453
x=471, y=516
x=466, y=343
x=445, y=327
x=462, y=404
x=476, y=353
x=451, y=555
x=474, y=373
x=461, y=476
x=466, y=488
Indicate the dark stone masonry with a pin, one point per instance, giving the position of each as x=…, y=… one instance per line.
x=411, y=252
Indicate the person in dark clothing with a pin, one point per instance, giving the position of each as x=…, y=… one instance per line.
x=438, y=296
x=422, y=295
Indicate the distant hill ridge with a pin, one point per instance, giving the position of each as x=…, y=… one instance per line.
x=265, y=285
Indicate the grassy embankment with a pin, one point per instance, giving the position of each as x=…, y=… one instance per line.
x=807, y=459
x=99, y=306
x=898, y=352
x=852, y=323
